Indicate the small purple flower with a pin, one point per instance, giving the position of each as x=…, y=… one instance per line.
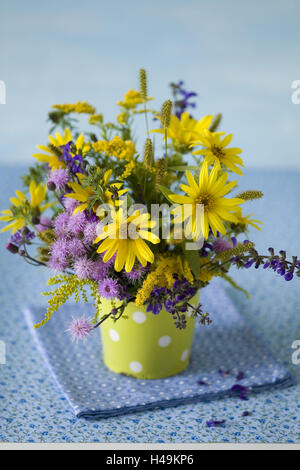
x=109, y=288
x=90, y=232
x=221, y=245
x=76, y=223
x=100, y=270
x=21, y=236
x=215, y=424
x=76, y=248
x=249, y=263
x=80, y=328
x=59, y=178
x=289, y=277
x=45, y=224
x=61, y=225
x=83, y=268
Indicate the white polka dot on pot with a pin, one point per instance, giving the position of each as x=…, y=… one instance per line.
x=114, y=335
x=164, y=341
x=185, y=355
x=136, y=367
x=139, y=317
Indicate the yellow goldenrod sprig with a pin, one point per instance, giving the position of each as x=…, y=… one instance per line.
x=250, y=195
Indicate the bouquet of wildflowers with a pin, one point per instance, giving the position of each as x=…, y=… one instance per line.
x=145, y=222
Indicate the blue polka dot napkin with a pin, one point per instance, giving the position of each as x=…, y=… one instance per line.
x=227, y=359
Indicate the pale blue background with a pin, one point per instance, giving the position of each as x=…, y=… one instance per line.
x=241, y=57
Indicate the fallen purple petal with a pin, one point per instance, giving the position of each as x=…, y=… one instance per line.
x=240, y=376
x=246, y=413
x=224, y=373
x=200, y=382
x=214, y=424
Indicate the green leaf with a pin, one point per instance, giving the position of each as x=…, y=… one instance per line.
x=192, y=256
x=166, y=192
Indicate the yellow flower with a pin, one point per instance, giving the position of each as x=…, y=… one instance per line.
x=185, y=130
x=126, y=237
x=131, y=99
x=128, y=170
x=51, y=157
x=22, y=207
x=215, y=152
x=163, y=276
x=122, y=149
x=122, y=118
x=245, y=220
x=82, y=107
x=84, y=194
x=96, y=119
x=209, y=193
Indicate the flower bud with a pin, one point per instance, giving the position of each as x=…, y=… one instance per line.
x=51, y=186
x=12, y=248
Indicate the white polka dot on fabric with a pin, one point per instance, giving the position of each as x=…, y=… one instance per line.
x=185, y=355
x=136, y=366
x=114, y=335
x=139, y=317
x=164, y=341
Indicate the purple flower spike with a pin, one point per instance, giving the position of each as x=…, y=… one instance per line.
x=289, y=277
x=215, y=424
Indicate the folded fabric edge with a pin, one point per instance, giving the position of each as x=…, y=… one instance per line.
x=287, y=382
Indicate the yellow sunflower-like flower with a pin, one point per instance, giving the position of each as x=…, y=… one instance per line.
x=215, y=152
x=209, y=193
x=22, y=207
x=126, y=237
x=245, y=220
x=185, y=130
x=51, y=157
x=84, y=194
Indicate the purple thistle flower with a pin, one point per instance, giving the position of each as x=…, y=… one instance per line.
x=108, y=288
x=90, y=232
x=69, y=204
x=76, y=248
x=76, y=223
x=59, y=178
x=100, y=271
x=221, y=245
x=61, y=225
x=60, y=250
x=57, y=264
x=83, y=268
x=215, y=424
x=80, y=328
x=136, y=273
x=45, y=224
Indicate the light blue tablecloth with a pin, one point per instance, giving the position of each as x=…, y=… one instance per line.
x=32, y=408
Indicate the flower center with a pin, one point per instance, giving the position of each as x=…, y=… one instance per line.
x=218, y=152
x=207, y=200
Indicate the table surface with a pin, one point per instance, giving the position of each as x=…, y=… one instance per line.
x=32, y=408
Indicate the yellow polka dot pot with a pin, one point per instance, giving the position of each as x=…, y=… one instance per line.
x=144, y=345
